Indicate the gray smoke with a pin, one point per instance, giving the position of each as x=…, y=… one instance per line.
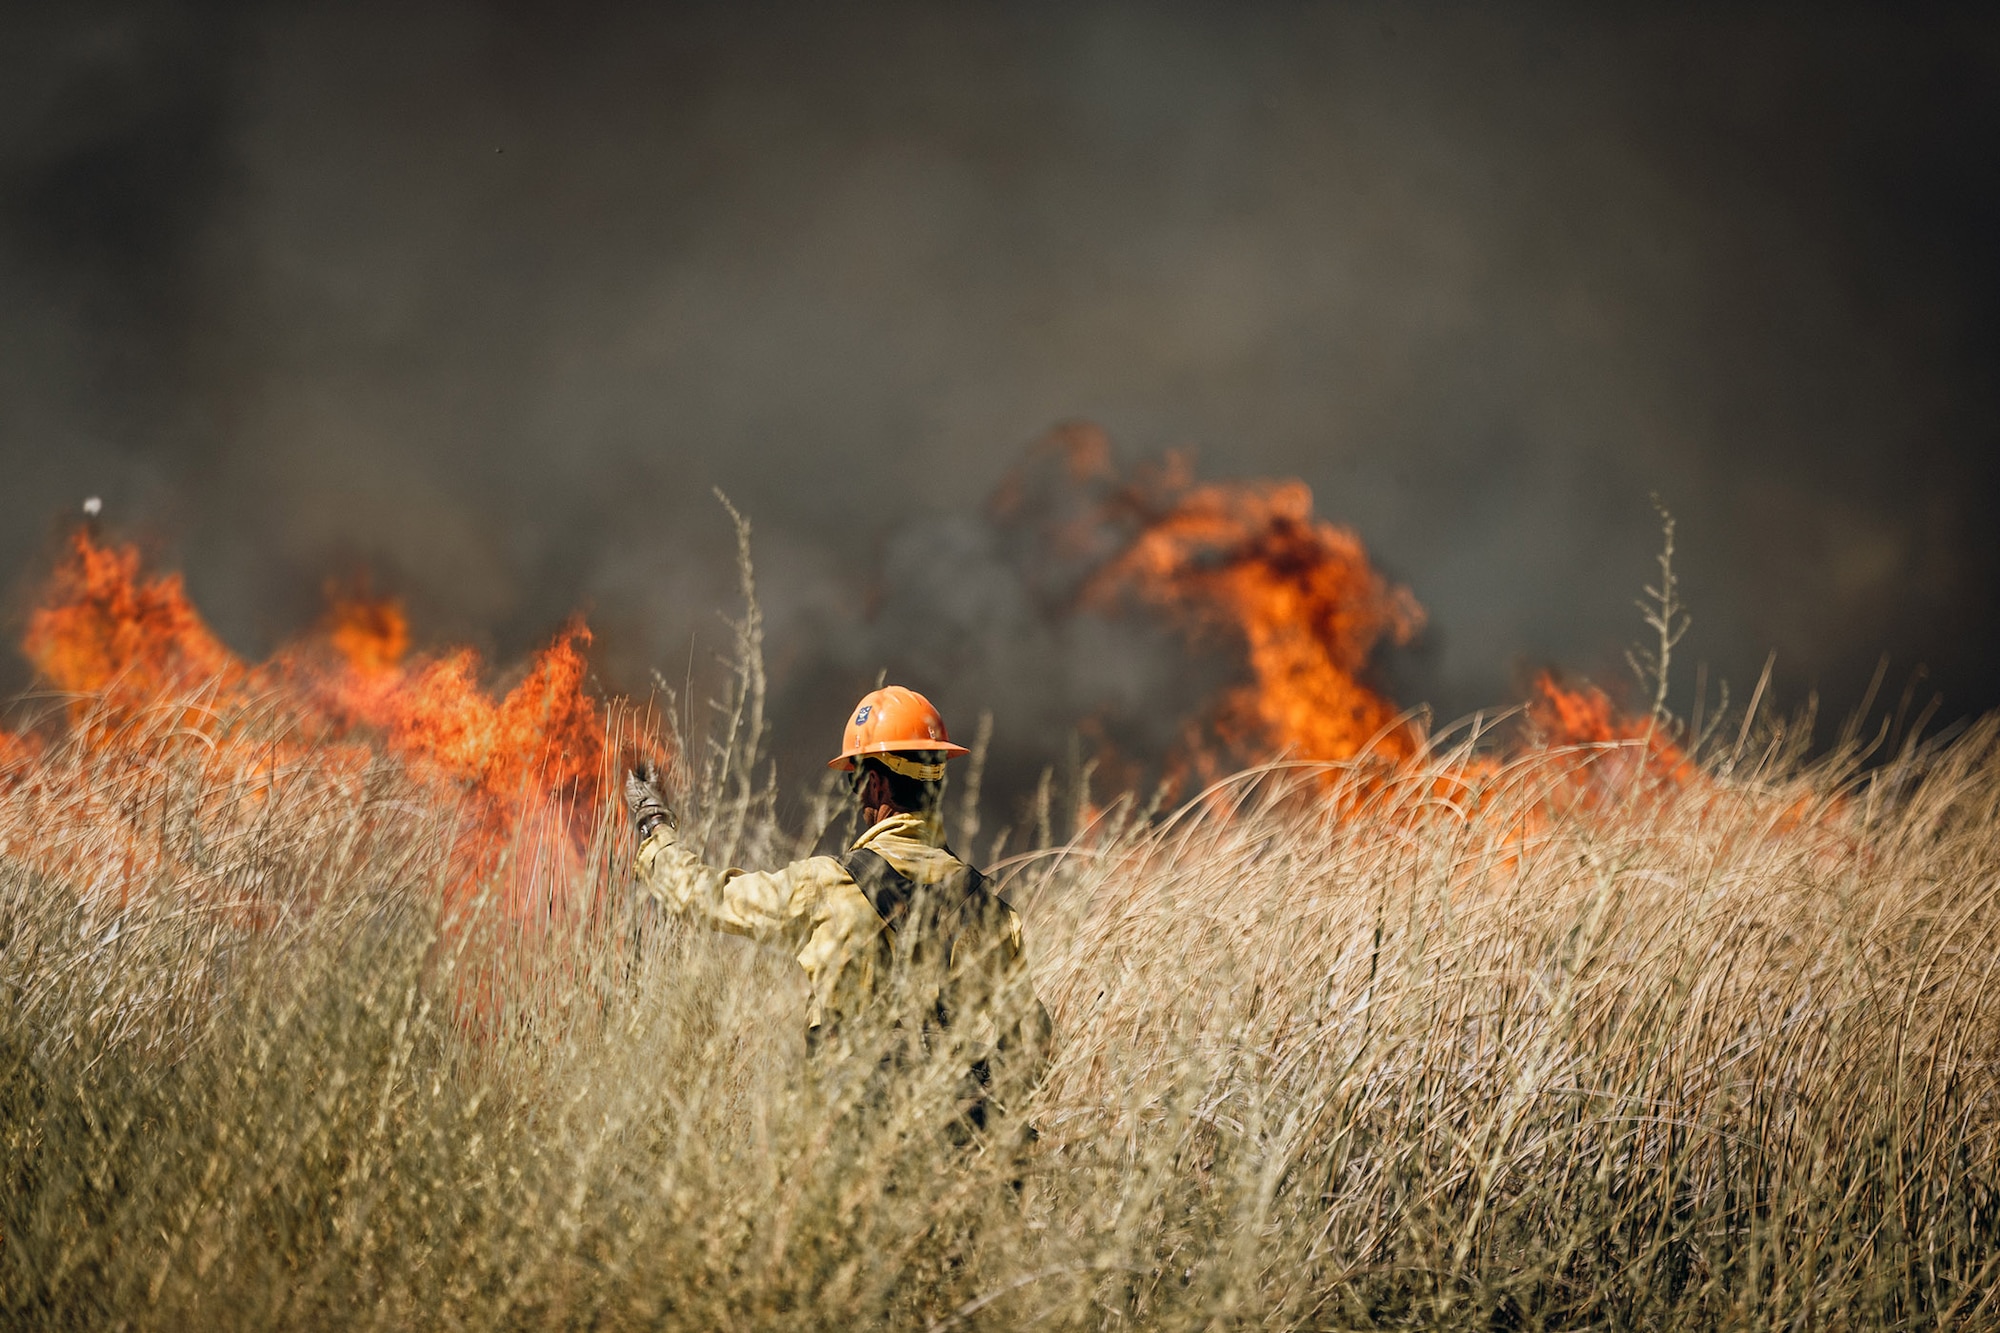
x=487, y=299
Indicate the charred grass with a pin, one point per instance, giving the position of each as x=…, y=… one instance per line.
x=1337, y=1049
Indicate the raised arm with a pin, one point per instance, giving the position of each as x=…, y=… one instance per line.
x=765, y=905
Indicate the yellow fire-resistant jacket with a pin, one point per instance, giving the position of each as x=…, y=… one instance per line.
x=815, y=910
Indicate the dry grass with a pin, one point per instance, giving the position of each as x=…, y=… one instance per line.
x=1358, y=1056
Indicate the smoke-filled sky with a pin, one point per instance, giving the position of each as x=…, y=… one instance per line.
x=489, y=299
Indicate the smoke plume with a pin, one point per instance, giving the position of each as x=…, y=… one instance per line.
x=487, y=300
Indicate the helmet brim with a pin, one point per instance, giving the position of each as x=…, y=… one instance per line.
x=845, y=759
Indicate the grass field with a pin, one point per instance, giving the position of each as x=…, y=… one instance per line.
x=1537, y=1041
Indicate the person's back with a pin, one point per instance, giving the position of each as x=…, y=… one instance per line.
x=957, y=978
x=898, y=937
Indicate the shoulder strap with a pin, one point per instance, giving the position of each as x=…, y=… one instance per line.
x=969, y=903
x=888, y=891
x=976, y=899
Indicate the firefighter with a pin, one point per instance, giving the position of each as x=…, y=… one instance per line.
x=896, y=936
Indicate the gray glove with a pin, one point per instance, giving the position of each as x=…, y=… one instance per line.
x=645, y=799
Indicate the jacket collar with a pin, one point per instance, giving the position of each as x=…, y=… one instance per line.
x=928, y=830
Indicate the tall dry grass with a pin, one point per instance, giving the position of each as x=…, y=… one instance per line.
x=1345, y=1053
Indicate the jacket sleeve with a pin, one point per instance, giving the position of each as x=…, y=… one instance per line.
x=764, y=905
x=812, y=907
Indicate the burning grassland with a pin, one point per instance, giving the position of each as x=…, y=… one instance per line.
x=151, y=690
x=1595, y=1028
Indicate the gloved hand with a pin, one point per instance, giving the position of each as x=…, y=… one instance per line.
x=646, y=800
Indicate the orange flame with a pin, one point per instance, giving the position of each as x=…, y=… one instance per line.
x=528, y=767
x=16, y=754
x=371, y=636
x=538, y=752
x=1251, y=559
x=1250, y=562
x=1584, y=715
x=104, y=628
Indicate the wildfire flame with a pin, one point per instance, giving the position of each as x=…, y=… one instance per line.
x=372, y=635
x=1250, y=564
x=1298, y=592
x=531, y=763
x=1248, y=561
x=1585, y=716
x=104, y=628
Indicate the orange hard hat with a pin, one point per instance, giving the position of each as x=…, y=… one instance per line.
x=895, y=720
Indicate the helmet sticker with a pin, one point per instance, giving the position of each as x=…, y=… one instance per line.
x=861, y=718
